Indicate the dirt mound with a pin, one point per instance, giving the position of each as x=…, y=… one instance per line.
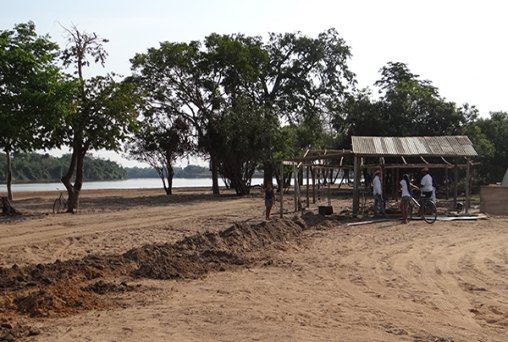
x=87, y=268
x=58, y=289
x=202, y=253
x=10, y=331
x=59, y=300
x=102, y=287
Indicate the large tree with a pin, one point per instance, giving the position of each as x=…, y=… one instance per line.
x=491, y=136
x=105, y=109
x=201, y=85
x=160, y=143
x=303, y=77
x=407, y=106
x=32, y=92
x=288, y=79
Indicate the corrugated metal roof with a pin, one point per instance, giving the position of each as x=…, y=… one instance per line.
x=455, y=146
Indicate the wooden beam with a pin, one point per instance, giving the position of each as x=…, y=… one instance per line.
x=288, y=162
x=446, y=162
x=417, y=166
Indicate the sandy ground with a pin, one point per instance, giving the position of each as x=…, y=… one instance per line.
x=292, y=279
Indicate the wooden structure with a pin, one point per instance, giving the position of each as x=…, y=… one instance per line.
x=314, y=163
x=390, y=153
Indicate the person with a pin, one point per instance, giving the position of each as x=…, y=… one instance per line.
x=377, y=192
x=269, y=198
x=405, y=186
x=427, y=188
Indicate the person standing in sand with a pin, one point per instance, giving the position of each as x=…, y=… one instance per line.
x=405, y=186
x=269, y=198
x=377, y=193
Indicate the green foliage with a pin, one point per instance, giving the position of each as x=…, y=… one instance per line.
x=408, y=106
x=190, y=171
x=491, y=137
x=239, y=138
x=105, y=111
x=159, y=142
x=34, y=167
x=235, y=90
x=34, y=95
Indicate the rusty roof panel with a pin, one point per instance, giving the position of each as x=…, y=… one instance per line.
x=413, y=146
x=446, y=146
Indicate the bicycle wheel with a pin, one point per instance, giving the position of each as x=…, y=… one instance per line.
x=429, y=212
x=57, y=205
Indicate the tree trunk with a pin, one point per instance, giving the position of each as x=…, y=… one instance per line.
x=215, y=176
x=267, y=172
x=66, y=180
x=78, y=183
x=7, y=208
x=171, y=173
x=9, y=173
x=77, y=158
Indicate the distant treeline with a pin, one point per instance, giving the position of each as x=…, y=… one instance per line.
x=35, y=167
x=190, y=171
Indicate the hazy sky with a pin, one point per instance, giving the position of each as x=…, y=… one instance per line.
x=460, y=46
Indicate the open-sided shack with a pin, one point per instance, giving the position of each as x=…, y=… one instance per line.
x=390, y=154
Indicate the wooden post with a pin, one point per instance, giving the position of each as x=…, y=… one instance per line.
x=356, y=186
x=329, y=199
x=308, y=169
x=282, y=190
x=396, y=183
x=318, y=172
x=455, y=183
x=467, y=185
x=313, y=185
x=296, y=188
x=447, y=184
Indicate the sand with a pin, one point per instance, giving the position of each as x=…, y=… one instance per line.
x=137, y=265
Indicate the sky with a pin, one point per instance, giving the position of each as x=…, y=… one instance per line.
x=460, y=46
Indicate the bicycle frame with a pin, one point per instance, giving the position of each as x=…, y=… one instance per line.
x=420, y=204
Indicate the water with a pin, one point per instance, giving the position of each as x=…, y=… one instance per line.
x=136, y=183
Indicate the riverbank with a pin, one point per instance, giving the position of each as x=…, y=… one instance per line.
x=138, y=265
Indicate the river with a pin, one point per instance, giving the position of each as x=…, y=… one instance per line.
x=135, y=183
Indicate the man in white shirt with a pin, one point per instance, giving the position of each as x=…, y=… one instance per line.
x=379, y=206
x=427, y=188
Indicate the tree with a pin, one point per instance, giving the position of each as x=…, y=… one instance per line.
x=159, y=144
x=105, y=110
x=407, y=106
x=33, y=94
x=199, y=84
x=239, y=138
x=175, y=81
x=289, y=78
x=493, y=152
x=302, y=78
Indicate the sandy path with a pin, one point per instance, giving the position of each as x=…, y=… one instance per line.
x=105, y=226
x=383, y=282
x=379, y=282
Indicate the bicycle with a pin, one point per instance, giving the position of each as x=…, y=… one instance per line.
x=424, y=207
x=60, y=204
